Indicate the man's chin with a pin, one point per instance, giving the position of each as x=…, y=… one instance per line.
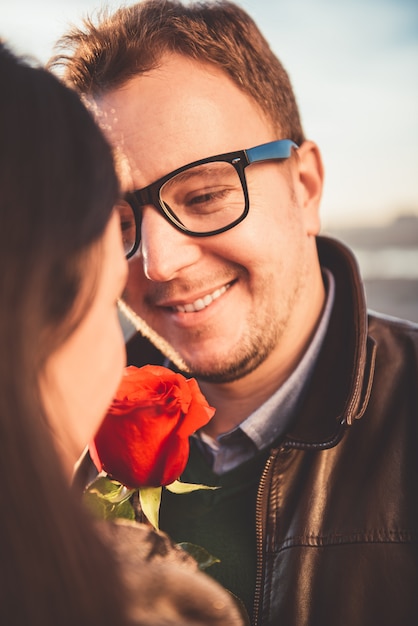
x=225, y=372
x=215, y=369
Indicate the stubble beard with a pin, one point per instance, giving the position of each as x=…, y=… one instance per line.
x=260, y=340
x=247, y=358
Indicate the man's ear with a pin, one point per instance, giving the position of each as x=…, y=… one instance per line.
x=310, y=184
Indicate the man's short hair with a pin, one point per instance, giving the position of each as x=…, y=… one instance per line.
x=133, y=40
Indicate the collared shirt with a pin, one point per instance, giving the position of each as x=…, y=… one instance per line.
x=260, y=429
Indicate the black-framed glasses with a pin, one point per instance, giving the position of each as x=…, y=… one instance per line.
x=201, y=199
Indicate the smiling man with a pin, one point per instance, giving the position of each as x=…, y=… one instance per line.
x=315, y=432
x=235, y=303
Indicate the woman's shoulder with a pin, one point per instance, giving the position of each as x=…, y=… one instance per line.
x=165, y=584
x=135, y=544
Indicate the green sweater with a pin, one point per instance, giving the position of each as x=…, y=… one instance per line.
x=221, y=520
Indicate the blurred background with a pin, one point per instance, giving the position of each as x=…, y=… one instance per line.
x=354, y=69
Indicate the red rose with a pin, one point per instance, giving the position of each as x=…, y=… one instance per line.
x=144, y=439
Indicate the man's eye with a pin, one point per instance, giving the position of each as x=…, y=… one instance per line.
x=205, y=202
x=207, y=196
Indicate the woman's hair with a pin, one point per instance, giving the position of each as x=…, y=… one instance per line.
x=57, y=190
x=133, y=40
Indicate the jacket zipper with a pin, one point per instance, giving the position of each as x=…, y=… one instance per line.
x=260, y=512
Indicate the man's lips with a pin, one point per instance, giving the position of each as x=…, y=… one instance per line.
x=200, y=303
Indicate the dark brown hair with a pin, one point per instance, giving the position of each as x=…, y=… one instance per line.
x=58, y=187
x=134, y=39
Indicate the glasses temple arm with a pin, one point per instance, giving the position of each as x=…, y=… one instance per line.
x=280, y=149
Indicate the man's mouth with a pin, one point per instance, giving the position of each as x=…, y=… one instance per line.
x=201, y=303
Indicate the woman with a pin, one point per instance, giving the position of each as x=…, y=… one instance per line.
x=62, y=354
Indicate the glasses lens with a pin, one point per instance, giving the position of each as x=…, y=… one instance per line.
x=127, y=225
x=204, y=198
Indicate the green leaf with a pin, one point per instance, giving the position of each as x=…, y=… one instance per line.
x=150, y=500
x=108, y=499
x=178, y=487
x=202, y=556
x=96, y=506
x=111, y=490
x=102, y=508
x=124, y=510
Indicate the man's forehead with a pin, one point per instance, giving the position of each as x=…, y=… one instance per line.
x=167, y=118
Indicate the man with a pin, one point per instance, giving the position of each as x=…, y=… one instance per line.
x=315, y=433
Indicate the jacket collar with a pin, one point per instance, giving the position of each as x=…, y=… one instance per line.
x=340, y=387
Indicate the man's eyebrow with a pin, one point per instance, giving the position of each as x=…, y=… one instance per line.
x=197, y=170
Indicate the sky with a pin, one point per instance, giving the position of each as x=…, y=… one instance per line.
x=354, y=68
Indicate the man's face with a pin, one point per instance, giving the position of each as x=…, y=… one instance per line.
x=229, y=302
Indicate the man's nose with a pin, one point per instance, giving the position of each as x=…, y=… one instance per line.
x=166, y=251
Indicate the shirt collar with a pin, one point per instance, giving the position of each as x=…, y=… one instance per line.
x=272, y=418
x=260, y=429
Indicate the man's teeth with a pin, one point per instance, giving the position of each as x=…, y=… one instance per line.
x=201, y=303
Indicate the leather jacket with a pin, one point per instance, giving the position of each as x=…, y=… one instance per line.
x=337, y=506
